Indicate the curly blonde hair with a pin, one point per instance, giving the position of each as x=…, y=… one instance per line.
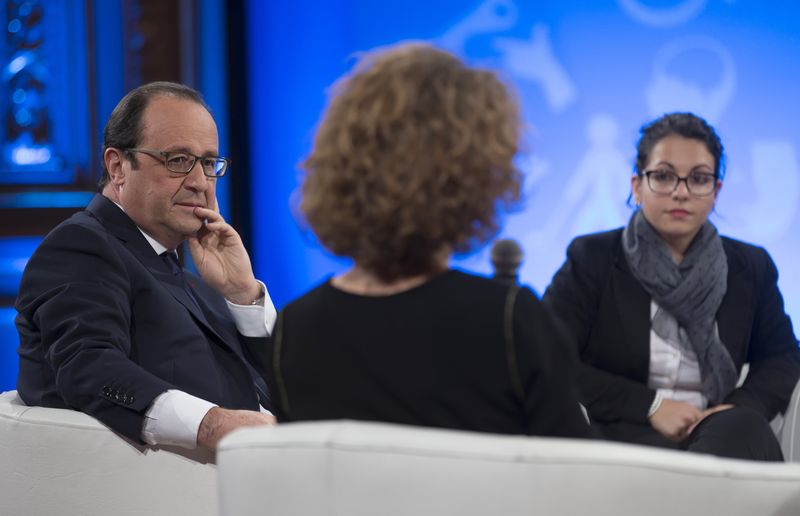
x=413, y=156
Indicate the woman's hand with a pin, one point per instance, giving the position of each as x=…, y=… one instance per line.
x=707, y=412
x=675, y=419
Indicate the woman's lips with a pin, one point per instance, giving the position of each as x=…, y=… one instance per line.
x=678, y=214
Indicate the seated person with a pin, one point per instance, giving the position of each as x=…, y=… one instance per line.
x=410, y=163
x=665, y=311
x=110, y=325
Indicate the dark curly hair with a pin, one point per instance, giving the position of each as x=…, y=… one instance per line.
x=413, y=156
x=687, y=125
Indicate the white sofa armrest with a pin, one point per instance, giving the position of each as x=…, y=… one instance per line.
x=789, y=433
x=55, y=461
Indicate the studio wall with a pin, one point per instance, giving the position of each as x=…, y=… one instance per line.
x=588, y=74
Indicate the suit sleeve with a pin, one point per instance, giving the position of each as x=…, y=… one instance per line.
x=75, y=316
x=773, y=353
x=573, y=297
x=547, y=366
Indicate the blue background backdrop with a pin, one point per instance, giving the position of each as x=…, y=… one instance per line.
x=589, y=74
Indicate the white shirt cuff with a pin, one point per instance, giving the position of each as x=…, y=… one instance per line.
x=656, y=403
x=254, y=320
x=174, y=417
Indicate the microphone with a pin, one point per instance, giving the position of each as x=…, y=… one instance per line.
x=506, y=260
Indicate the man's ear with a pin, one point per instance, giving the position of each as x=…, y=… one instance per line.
x=114, y=159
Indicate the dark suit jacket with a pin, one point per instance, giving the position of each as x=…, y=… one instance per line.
x=608, y=313
x=105, y=327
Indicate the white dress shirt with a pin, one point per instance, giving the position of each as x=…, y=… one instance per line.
x=174, y=417
x=674, y=371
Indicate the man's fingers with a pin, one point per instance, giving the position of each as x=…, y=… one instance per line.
x=207, y=214
x=193, y=243
x=216, y=226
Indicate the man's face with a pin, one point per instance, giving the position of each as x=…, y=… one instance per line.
x=159, y=201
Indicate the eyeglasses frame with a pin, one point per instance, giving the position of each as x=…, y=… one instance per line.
x=685, y=180
x=162, y=157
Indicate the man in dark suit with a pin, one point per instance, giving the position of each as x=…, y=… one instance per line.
x=109, y=323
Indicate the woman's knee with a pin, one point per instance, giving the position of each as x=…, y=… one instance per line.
x=738, y=432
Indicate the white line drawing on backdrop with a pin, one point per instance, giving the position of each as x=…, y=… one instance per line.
x=490, y=16
x=593, y=197
x=776, y=187
x=534, y=168
x=534, y=60
x=666, y=93
x=671, y=16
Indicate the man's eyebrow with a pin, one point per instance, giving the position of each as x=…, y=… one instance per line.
x=187, y=150
x=178, y=149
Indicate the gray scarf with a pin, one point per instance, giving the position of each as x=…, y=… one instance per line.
x=689, y=294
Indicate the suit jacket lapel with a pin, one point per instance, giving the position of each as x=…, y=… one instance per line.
x=633, y=303
x=176, y=288
x=735, y=314
x=122, y=227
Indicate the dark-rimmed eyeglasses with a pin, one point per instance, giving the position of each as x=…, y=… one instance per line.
x=182, y=162
x=664, y=182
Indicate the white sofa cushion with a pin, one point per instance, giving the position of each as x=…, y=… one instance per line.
x=358, y=468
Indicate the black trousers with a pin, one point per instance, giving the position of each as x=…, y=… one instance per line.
x=739, y=433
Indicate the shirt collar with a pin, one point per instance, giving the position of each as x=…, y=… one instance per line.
x=157, y=247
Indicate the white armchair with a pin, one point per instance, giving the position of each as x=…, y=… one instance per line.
x=787, y=427
x=55, y=461
x=64, y=462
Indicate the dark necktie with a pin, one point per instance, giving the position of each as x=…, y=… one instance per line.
x=171, y=259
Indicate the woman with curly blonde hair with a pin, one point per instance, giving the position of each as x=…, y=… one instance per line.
x=410, y=164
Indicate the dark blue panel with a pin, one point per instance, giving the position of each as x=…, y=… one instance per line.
x=43, y=84
x=46, y=200
x=14, y=254
x=109, y=59
x=213, y=66
x=296, y=50
x=9, y=341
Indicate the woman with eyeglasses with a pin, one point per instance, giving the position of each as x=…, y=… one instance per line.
x=666, y=312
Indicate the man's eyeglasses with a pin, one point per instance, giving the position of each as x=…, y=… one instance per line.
x=182, y=162
x=665, y=182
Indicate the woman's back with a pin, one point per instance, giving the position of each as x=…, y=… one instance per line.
x=435, y=355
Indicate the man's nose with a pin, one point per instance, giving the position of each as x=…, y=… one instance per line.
x=196, y=179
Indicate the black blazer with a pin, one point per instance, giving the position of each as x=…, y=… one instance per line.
x=608, y=313
x=105, y=327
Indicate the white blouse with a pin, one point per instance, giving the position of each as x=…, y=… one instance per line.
x=674, y=370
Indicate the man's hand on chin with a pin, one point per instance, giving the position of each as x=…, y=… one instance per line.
x=218, y=422
x=221, y=259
